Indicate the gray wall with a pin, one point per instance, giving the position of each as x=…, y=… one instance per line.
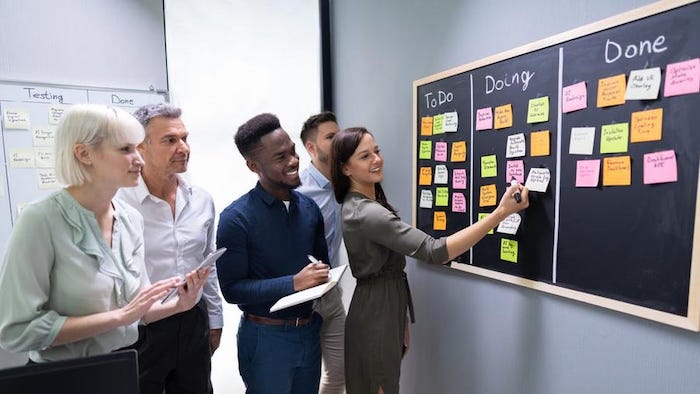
x=475, y=335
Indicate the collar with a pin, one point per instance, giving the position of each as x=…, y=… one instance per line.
x=268, y=198
x=320, y=179
x=142, y=192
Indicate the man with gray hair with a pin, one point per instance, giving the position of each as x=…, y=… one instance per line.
x=174, y=353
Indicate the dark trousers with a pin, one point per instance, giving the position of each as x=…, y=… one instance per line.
x=174, y=354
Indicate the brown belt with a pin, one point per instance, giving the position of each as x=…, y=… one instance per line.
x=296, y=322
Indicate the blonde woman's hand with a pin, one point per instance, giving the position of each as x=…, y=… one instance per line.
x=189, y=289
x=139, y=305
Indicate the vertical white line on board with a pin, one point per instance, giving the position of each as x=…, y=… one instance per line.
x=471, y=160
x=558, y=178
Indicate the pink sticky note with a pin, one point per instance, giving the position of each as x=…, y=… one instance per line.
x=660, y=167
x=484, y=119
x=515, y=169
x=587, y=173
x=682, y=78
x=574, y=97
x=459, y=178
x=459, y=203
x=441, y=151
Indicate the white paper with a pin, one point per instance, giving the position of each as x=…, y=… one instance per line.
x=16, y=119
x=515, y=146
x=510, y=224
x=426, y=199
x=21, y=158
x=643, y=84
x=451, y=122
x=55, y=114
x=43, y=157
x=47, y=179
x=44, y=136
x=440, y=175
x=538, y=179
x=310, y=293
x=581, y=142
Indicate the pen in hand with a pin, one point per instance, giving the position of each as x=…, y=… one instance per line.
x=516, y=195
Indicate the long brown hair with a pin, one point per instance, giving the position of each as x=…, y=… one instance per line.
x=342, y=148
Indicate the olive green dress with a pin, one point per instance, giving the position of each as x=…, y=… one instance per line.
x=377, y=242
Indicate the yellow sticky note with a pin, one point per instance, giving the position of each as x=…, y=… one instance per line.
x=538, y=110
x=509, y=250
x=426, y=176
x=459, y=151
x=426, y=125
x=617, y=171
x=441, y=197
x=426, y=150
x=646, y=125
x=539, y=143
x=438, y=124
x=487, y=196
x=488, y=166
x=483, y=215
x=439, y=221
x=503, y=117
x=611, y=91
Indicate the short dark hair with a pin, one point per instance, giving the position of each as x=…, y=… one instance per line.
x=310, y=127
x=249, y=133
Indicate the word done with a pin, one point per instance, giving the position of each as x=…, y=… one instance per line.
x=613, y=50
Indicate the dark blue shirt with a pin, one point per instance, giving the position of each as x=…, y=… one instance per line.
x=266, y=246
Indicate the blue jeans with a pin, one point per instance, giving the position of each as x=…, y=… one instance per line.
x=279, y=359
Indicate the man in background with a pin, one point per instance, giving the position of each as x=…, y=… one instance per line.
x=174, y=353
x=317, y=134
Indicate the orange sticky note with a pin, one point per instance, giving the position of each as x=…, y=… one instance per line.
x=646, y=125
x=503, y=117
x=611, y=91
x=426, y=125
x=617, y=171
x=426, y=176
x=439, y=221
x=539, y=143
x=487, y=196
x=459, y=151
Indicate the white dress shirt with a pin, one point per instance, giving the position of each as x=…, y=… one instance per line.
x=174, y=247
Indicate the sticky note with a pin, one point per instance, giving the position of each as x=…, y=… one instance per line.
x=426, y=125
x=646, y=125
x=484, y=119
x=503, y=117
x=644, y=84
x=581, y=142
x=510, y=224
x=439, y=221
x=441, y=151
x=451, y=122
x=21, y=158
x=16, y=119
x=426, y=176
x=55, y=114
x=617, y=171
x=515, y=169
x=426, y=150
x=509, y=250
x=487, y=196
x=574, y=97
x=459, y=151
x=587, y=173
x=47, y=179
x=459, y=178
x=43, y=157
x=44, y=136
x=459, y=203
x=515, y=147
x=488, y=166
x=426, y=199
x=682, y=78
x=611, y=91
x=538, y=179
x=483, y=215
x=539, y=143
x=660, y=167
x=538, y=110
x=440, y=175
x=438, y=124
x=614, y=137
x=442, y=196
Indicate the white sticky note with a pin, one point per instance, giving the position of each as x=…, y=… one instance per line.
x=440, y=175
x=510, y=224
x=21, y=158
x=451, y=122
x=581, y=142
x=16, y=119
x=44, y=136
x=515, y=146
x=55, y=114
x=538, y=179
x=47, y=179
x=426, y=199
x=43, y=158
x=643, y=84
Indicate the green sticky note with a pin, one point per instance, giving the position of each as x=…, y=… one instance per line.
x=614, y=138
x=538, y=110
x=483, y=215
x=488, y=166
x=441, y=196
x=426, y=150
x=509, y=250
x=439, y=124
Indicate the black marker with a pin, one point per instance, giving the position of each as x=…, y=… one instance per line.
x=518, y=197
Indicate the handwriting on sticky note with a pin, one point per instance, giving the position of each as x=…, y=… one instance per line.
x=538, y=179
x=515, y=169
x=442, y=196
x=47, y=179
x=682, y=78
x=644, y=84
x=488, y=166
x=509, y=250
x=451, y=123
x=515, y=147
x=484, y=119
x=646, y=125
x=503, y=117
x=16, y=119
x=426, y=125
x=611, y=91
x=43, y=157
x=539, y=143
x=510, y=224
x=438, y=124
x=660, y=167
x=441, y=175
x=459, y=178
x=459, y=151
x=459, y=203
x=441, y=151
x=21, y=158
x=614, y=137
x=483, y=215
x=426, y=176
x=538, y=110
x=426, y=199
x=574, y=97
x=44, y=136
x=439, y=221
x=617, y=171
x=55, y=114
x=487, y=196
x=426, y=150
x=587, y=173
x=581, y=142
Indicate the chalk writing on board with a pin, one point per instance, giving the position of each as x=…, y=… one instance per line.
x=614, y=51
x=493, y=83
x=442, y=97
